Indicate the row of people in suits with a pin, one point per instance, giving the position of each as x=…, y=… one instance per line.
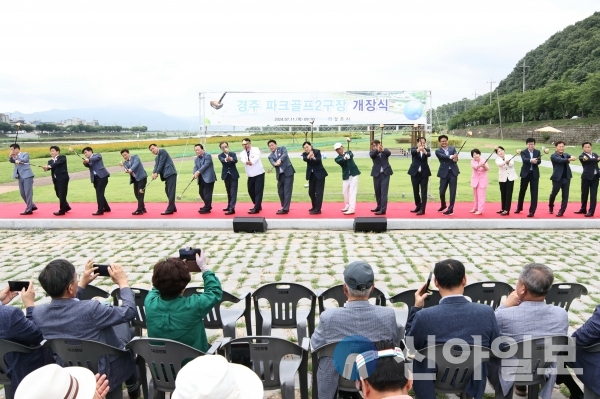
x=531, y=158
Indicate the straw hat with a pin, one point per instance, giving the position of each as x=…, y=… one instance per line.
x=55, y=382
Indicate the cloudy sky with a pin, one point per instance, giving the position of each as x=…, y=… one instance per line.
x=160, y=54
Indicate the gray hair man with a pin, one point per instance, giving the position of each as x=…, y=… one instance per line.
x=515, y=315
x=357, y=317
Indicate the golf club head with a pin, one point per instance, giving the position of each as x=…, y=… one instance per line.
x=518, y=152
x=469, y=133
x=179, y=197
x=546, y=151
x=216, y=104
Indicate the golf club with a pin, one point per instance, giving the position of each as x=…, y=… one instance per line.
x=31, y=164
x=18, y=129
x=348, y=139
x=75, y=152
x=179, y=197
x=545, y=150
x=469, y=134
x=493, y=152
x=217, y=104
x=518, y=153
x=381, y=125
x=143, y=190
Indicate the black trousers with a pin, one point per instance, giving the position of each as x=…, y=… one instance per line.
x=534, y=183
x=316, y=189
x=285, y=185
x=589, y=187
x=170, y=188
x=381, y=183
x=137, y=186
x=256, y=186
x=61, y=188
x=449, y=181
x=419, y=183
x=506, y=192
x=231, y=186
x=560, y=185
x=206, y=192
x=100, y=186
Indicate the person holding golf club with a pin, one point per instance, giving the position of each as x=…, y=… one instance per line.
x=204, y=172
x=99, y=177
x=137, y=176
x=350, y=175
x=561, y=177
x=284, y=173
x=479, y=181
x=506, y=178
x=419, y=174
x=530, y=175
x=315, y=174
x=381, y=173
x=163, y=166
x=60, y=178
x=22, y=171
x=250, y=156
x=448, y=173
x=230, y=176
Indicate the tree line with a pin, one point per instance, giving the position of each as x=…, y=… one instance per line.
x=54, y=128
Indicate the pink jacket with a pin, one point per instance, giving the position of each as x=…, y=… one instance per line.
x=479, y=178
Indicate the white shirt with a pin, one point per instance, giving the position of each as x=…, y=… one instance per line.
x=256, y=168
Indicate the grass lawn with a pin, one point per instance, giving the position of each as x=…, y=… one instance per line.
x=119, y=190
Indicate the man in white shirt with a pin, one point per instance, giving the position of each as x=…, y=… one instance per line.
x=250, y=157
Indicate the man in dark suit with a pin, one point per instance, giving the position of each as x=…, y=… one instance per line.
x=284, y=173
x=454, y=318
x=230, y=176
x=419, y=174
x=561, y=177
x=315, y=174
x=204, y=172
x=163, y=166
x=530, y=174
x=66, y=318
x=381, y=173
x=99, y=177
x=16, y=328
x=60, y=178
x=589, y=179
x=586, y=335
x=137, y=176
x=448, y=173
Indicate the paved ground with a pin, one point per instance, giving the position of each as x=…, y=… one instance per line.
x=243, y=262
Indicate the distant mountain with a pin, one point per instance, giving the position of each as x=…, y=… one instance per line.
x=122, y=116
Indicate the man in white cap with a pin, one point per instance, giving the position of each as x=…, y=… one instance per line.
x=350, y=174
x=213, y=377
x=55, y=382
x=357, y=317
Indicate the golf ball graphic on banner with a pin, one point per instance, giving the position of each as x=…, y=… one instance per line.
x=413, y=110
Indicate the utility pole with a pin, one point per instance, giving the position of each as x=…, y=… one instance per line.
x=523, y=109
x=475, y=102
x=491, y=83
x=499, y=115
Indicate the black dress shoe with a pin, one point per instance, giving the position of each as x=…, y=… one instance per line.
x=144, y=211
x=311, y=209
x=551, y=210
x=420, y=213
x=34, y=208
x=282, y=212
x=442, y=208
x=315, y=212
x=68, y=209
x=225, y=209
x=448, y=213
x=380, y=213
x=519, y=211
x=504, y=213
x=579, y=212
x=500, y=211
x=559, y=214
x=27, y=213
x=167, y=213
x=204, y=211
x=252, y=211
x=98, y=213
x=230, y=212
x=588, y=215
x=415, y=210
x=529, y=215
x=59, y=213
x=174, y=210
x=137, y=213
x=107, y=210
x=375, y=210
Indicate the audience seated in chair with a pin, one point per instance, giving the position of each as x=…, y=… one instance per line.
x=66, y=317
x=16, y=328
x=454, y=318
x=525, y=315
x=55, y=382
x=172, y=316
x=357, y=317
x=586, y=335
x=212, y=377
x=390, y=379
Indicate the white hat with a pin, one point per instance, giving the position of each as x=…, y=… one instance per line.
x=55, y=382
x=211, y=376
x=337, y=145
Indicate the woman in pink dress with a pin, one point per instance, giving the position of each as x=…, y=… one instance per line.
x=479, y=181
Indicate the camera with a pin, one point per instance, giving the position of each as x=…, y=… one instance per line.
x=189, y=253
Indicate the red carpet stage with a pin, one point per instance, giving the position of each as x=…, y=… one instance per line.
x=187, y=210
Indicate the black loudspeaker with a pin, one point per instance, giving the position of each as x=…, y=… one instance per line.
x=376, y=225
x=249, y=225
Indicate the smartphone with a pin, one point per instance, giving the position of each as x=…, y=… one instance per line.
x=102, y=270
x=427, y=289
x=240, y=354
x=18, y=285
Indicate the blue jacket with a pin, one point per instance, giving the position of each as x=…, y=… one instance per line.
x=589, y=334
x=204, y=165
x=281, y=154
x=163, y=165
x=139, y=173
x=381, y=161
x=446, y=163
x=96, y=165
x=22, y=170
x=528, y=166
x=559, y=163
x=229, y=167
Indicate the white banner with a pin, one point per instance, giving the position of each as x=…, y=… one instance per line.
x=326, y=108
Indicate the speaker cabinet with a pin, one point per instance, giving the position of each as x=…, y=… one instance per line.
x=374, y=224
x=249, y=225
